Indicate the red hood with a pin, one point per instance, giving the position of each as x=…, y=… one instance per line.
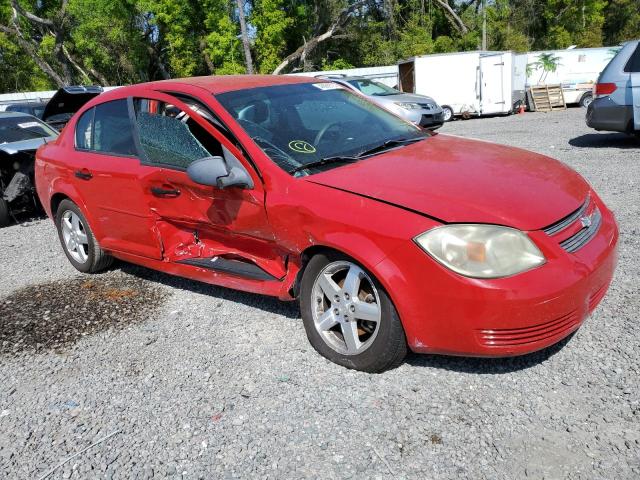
x=459, y=180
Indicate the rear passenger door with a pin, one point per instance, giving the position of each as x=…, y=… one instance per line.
x=108, y=174
x=633, y=67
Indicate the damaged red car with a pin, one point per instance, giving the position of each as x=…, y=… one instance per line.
x=392, y=238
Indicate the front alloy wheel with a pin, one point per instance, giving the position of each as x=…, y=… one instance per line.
x=348, y=316
x=347, y=313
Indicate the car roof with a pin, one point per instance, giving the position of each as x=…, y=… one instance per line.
x=14, y=114
x=26, y=104
x=227, y=83
x=345, y=78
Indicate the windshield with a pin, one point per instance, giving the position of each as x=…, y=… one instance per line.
x=16, y=129
x=369, y=87
x=301, y=124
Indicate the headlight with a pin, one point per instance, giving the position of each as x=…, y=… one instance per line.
x=481, y=251
x=408, y=106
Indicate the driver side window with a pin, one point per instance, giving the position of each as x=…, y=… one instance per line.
x=169, y=137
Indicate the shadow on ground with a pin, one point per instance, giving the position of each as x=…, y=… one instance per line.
x=269, y=304
x=605, y=140
x=487, y=366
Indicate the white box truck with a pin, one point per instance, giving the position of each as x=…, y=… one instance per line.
x=467, y=83
x=577, y=71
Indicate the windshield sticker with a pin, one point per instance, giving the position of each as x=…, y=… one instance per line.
x=300, y=146
x=29, y=125
x=327, y=86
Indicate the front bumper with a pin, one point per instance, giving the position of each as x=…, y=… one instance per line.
x=604, y=114
x=445, y=313
x=424, y=118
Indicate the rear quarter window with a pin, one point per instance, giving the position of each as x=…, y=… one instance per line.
x=633, y=65
x=112, y=129
x=84, y=131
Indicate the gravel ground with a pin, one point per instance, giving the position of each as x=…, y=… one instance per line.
x=202, y=382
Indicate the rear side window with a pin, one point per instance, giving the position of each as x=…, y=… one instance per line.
x=633, y=65
x=170, y=137
x=84, y=129
x=112, y=129
x=106, y=128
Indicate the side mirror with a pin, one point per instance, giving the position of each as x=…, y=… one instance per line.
x=207, y=171
x=213, y=171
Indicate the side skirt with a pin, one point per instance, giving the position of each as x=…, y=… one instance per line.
x=273, y=287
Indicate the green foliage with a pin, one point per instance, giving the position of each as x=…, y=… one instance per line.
x=105, y=38
x=272, y=22
x=339, y=64
x=17, y=71
x=221, y=42
x=622, y=21
x=127, y=41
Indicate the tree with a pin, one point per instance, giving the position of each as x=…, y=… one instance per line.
x=272, y=23
x=245, y=37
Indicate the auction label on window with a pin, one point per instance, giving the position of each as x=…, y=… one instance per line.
x=327, y=86
x=29, y=125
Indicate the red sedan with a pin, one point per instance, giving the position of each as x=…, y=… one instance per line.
x=390, y=237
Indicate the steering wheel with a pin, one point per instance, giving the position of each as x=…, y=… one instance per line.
x=277, y=155
x=324, y=130
x=253, y=129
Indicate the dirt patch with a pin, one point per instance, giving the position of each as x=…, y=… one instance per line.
x=53, y=315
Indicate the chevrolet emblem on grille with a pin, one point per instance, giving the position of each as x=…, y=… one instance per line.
x=586, y=221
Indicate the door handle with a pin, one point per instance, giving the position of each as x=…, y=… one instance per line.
x=165, y=192
x=83, y=174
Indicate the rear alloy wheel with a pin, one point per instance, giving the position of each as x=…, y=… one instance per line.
x=447, y=114
x=78, y=241
x=5, y=218
x=348, y=316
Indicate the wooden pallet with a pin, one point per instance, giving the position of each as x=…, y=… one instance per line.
x=547, y=98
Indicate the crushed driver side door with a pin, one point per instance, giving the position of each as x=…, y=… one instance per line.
x=223, y=230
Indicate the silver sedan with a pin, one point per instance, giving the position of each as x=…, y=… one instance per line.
x=418, y=109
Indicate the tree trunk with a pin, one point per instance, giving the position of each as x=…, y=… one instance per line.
x=245, y=38
x=31, y=50
x=303, y=51
x=456, y=21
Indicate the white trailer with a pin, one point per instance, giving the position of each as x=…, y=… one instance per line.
x=467, y=83
x=577, y=71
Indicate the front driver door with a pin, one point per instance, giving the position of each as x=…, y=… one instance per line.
x=199, y=223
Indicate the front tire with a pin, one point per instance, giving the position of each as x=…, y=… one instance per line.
x=348, y=317
x=78, y=242
x=447, y=113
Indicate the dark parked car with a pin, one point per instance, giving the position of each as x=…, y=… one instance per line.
x=35, y=108
x=20, y=137
x=66, y=102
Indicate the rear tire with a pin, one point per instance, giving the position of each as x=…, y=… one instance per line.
x=586, y=100
x=358, y=327
x=77, y=240
x=5, y=218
